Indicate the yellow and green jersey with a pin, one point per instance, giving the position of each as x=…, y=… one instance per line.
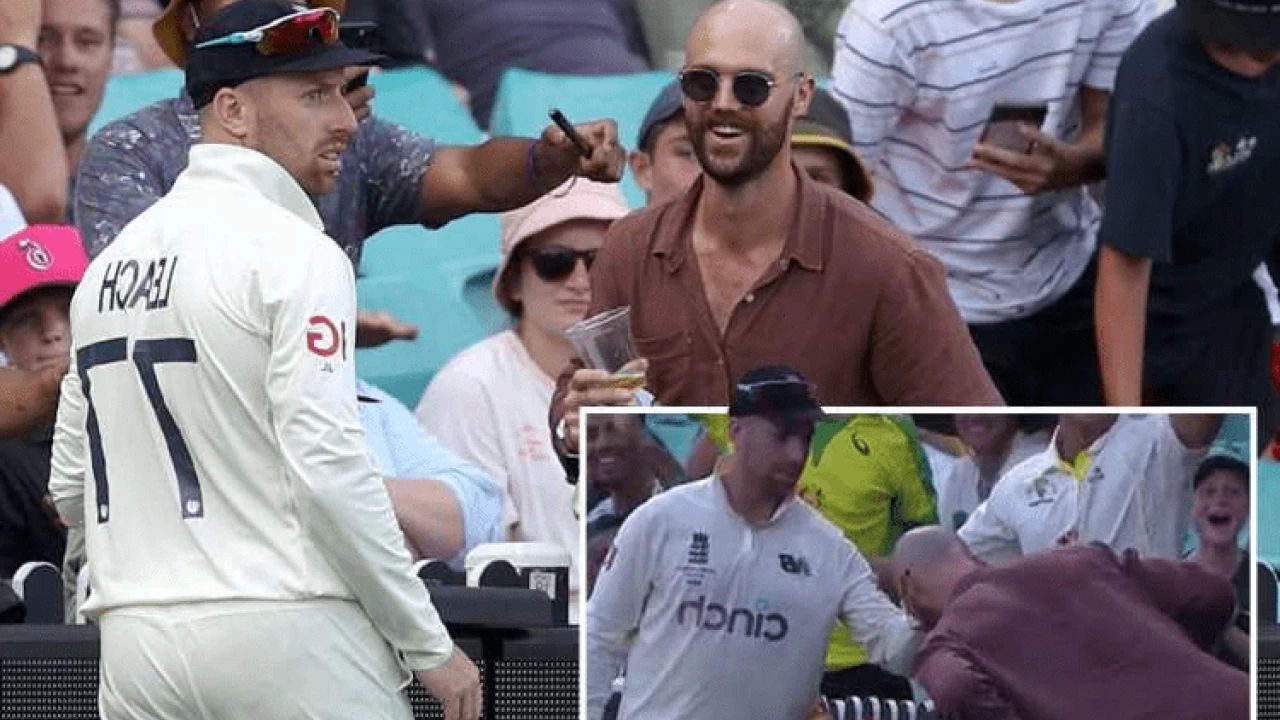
x=868, y=475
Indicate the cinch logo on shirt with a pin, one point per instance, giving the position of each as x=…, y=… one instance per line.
x=1224, y=156
x=714, y=616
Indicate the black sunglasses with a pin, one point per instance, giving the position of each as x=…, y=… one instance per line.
x=750, y=87
x=554, y=263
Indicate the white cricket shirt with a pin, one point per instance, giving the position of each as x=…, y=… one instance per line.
x=919, y=79
x=489, y=404
x=958, y=486
x=730, y=620
x=1135, y=494
x=208, y=436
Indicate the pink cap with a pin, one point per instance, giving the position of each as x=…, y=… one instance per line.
x=577, y=199
x=40, y=256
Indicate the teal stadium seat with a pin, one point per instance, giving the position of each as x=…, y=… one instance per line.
x=437, y=280
x=126, y=94
x=1268, y=497
x=524, y=97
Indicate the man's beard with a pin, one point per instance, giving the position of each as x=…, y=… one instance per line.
x=763, y=145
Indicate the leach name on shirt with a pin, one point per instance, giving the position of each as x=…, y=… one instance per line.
x=128, y=282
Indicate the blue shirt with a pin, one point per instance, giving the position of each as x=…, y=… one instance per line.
x=400, y=449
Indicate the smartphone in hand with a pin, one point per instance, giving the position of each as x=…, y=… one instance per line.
x=1002, y=126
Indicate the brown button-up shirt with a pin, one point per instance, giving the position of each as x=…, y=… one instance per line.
x=852, y=303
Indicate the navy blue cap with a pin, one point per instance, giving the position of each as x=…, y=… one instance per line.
x=668, y=104
x=775, y=390
x=212, y=68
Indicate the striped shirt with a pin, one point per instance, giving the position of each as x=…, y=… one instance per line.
x=919, y=79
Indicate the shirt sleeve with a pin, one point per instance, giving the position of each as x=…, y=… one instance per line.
x=343, y=502
x=67, y=478
x=457, y=410
x=118, y=178
x=66, y=463
x=987, y=532
x=959, y=687
x=908, y=470
x=1144, y=166
x=884, y=631
x=617, y=603
x=1130, y=17
x=418, y=455
x=11, y=220
x=872, y=77
x=394, y=162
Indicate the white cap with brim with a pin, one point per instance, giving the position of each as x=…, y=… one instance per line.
x=577, y=199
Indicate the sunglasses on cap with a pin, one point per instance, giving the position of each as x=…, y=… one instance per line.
x=750, y=87
x=790, y=387
x=289, y=34
x=554, y=263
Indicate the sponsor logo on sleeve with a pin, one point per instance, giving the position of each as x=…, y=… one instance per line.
x=326, y=339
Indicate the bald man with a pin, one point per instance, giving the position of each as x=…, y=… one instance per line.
x=1072, y=633
x=756, y=263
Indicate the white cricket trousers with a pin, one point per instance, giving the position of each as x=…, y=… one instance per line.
x=304, y=660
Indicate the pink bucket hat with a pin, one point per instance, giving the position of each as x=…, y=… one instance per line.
x=579, y=199
x=40, y=256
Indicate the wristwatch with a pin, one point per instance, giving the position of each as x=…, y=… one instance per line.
x=11, y=56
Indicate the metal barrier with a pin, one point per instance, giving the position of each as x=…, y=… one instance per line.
x=50, y=672
x=1268, y=672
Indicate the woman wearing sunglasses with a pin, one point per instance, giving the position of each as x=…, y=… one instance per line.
x=490, y=402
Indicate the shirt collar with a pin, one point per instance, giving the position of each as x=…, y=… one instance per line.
x=804, y=243
x=721, y=497
x=239, y=166
x=1056, y=461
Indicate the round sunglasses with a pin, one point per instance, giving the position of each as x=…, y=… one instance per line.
x=750, y=87
x=554, y=263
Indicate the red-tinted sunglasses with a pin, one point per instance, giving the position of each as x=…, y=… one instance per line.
x=289, y=34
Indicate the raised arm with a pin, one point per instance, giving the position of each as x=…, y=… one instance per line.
x=507, y=173
x=35, y=164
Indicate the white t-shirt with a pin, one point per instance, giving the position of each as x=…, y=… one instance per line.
x=919, y=79
x=1136, y=494
x=208, y=437
x=958, y=487
x=489, y=404
x=11, y=220
x=730, y=620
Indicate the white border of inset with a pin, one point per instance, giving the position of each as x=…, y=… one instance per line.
x=1251, y=412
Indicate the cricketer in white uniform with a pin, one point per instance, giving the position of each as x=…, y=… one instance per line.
x=719, y=617
x=243, y=554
